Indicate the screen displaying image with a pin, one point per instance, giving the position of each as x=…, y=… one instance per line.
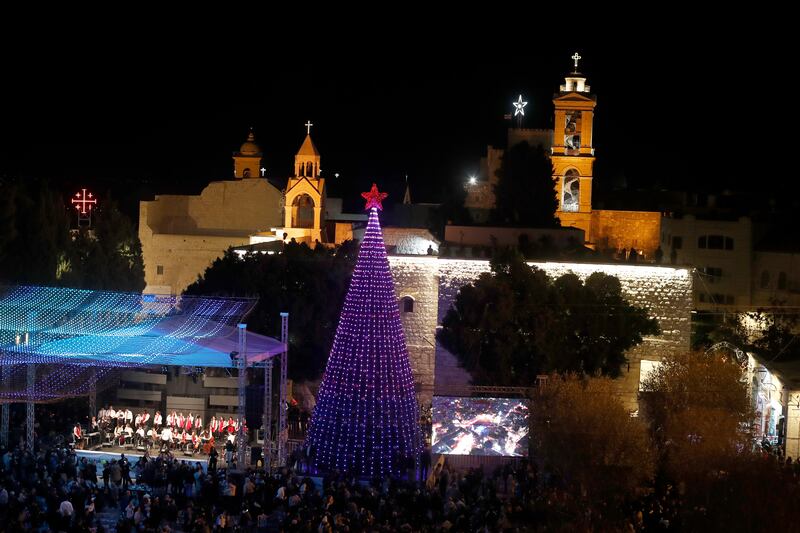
x=480, y=426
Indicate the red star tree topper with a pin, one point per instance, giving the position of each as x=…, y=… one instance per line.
x=374, y=198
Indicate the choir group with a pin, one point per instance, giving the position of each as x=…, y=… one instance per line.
x=175, y=431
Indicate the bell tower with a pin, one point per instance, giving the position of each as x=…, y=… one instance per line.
x=573, y=150
x=247, y=161
x=305, y=195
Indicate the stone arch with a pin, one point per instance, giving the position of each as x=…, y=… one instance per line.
x=303, y=211
x=571, y=190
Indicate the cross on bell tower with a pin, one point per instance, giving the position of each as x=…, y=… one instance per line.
x=576, y=58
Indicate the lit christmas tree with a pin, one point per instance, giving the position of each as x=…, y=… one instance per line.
x=366, y=418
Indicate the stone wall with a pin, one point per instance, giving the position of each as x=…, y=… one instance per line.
x=616, y=230
x=665, y=291
x=417, y=277
x=184, y=234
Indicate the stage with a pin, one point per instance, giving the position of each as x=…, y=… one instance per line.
x=133, y=455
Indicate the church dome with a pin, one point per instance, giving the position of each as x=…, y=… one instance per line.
x=249, y=147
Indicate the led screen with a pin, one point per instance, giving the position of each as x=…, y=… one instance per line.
x=480, y=426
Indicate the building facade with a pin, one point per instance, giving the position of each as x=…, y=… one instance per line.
x=182, y=235
x=572, y=152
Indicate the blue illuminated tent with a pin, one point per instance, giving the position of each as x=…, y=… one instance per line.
x=66, y=332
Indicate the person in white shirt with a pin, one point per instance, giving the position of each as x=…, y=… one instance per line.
x=138, y=419
x=140, y=434
x=198, y=423
x=145, y=417
x=158, y=420
x=128, y=416
x=166, y=436
x=110, y=412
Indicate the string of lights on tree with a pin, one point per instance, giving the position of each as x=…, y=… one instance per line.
x=366, y=418
x=70, y=333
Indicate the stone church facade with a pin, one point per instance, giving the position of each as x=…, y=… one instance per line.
x=182, y=235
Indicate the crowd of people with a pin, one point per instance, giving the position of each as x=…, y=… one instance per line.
x=174, y=431
x=55, y=490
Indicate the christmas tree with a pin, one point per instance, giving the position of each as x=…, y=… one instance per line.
x=366, y=418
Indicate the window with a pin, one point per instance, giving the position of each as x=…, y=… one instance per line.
x=677, y=242
x=713, y=273
x=408, y=304
x=160, y=270
x=715, y=242
x=765, y=279
x=782, y=281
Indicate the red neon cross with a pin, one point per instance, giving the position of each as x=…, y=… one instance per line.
x=82, y=200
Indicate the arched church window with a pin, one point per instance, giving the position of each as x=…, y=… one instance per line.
x=765, y=279
x=309, y=169
x=571, y=191
x=246, y=173
x=408, y=304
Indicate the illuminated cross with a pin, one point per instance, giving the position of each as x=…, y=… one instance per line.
x=308, y=127
x=263, y=171
x=82, y=200
x=519, y=106
x=575, y=58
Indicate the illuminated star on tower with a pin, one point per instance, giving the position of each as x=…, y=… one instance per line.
x=374, y=198
x=519, y=106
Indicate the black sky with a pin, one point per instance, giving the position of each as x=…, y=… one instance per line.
x=137, y=120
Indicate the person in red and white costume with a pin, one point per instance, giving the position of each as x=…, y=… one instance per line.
x=145, y=417
x=76, y=434
x=213, y=426
x=181, y=421
x=171, y=419
x=158, y=420
x=198, y=423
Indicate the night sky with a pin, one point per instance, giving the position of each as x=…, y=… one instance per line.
x=140, y=121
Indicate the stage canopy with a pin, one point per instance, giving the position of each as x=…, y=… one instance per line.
x=70, y=332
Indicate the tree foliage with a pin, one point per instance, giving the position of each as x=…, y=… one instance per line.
x=35, y=233
x=514, y=323
x=109, y=256
x=37, y=245
x=583, y=433
x=525, y=192
x=310, y=284
x=697, y=405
